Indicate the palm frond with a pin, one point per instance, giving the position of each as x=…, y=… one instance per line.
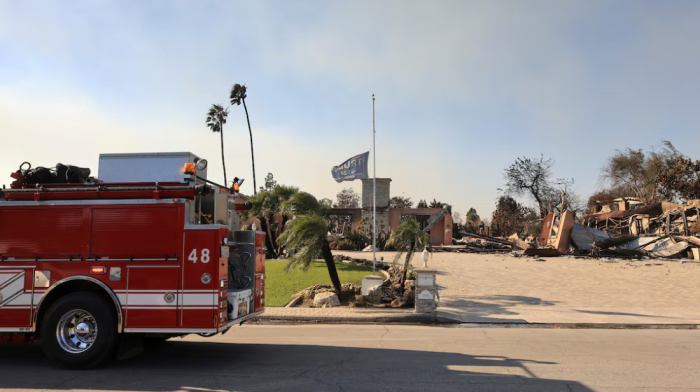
x=238, y=94
x=304, y=234
x=408, y=237
x=216, y=117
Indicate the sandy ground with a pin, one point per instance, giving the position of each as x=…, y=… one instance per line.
x=503, y=288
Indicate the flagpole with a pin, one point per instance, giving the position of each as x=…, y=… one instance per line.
x=374, y=197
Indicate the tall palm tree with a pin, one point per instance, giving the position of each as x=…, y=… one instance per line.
x=238, y=96
x=216, y=118
x=307, y=234
x=408, y=237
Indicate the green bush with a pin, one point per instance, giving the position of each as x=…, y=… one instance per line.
x=358, y=240
x=341, y=244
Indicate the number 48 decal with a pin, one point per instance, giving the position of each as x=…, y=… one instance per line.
x=204, y=258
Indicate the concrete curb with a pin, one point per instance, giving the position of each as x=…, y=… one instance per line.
x=403, y=318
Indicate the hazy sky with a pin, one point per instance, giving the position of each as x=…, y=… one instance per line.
x=463, y=87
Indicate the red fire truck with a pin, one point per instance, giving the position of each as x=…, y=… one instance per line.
x=151, y=249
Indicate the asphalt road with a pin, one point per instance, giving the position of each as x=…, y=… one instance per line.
x=384, y=358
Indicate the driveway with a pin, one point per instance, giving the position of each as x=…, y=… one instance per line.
x=478, y=288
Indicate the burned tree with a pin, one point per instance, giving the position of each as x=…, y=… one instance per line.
x=509, y=216
x=531, y=177
x=680, y=180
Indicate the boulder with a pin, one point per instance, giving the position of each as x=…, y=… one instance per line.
x=326, y=300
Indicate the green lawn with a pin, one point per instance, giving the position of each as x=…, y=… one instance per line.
x=281, y=285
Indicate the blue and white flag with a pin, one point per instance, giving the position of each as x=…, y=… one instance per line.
x=354, y=168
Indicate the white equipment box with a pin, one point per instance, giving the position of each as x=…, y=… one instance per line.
x=146, y=167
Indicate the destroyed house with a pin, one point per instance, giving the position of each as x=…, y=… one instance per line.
x=434, y=221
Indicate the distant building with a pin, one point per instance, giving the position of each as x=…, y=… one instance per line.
x=347, y=219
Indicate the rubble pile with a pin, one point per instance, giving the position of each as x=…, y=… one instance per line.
x=477, y=243
x=660, y=230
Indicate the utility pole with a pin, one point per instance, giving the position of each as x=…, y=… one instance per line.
x=374, y=196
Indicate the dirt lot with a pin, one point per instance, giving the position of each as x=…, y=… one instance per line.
x=503, y=288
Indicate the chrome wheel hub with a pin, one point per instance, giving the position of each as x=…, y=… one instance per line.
x=76, y=331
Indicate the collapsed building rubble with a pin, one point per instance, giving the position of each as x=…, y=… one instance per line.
x=477, y=243
x=661, y=218
x=661, y=230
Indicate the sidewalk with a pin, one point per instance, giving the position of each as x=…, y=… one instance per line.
x=345, y=314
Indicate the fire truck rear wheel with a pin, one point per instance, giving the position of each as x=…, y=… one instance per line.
x=79, y=331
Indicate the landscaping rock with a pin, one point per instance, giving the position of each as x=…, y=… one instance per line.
x=375, y=295
x=295, y=302
x=326, y=300
x=398, y=303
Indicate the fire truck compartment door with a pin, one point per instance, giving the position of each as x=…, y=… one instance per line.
x=16, y=297
x=152, y=296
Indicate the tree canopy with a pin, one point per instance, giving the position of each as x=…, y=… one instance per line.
x=347, y=198
x=531, y=177
x=400, y=202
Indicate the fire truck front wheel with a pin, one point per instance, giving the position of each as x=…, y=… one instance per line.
x=79, y=331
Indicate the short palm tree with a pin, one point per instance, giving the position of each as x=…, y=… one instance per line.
x=216, y=118
x=307, y=234
x=238, y=96
x=266, y=205
x=408, y=237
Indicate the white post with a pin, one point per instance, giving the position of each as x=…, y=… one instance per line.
x=374, y=196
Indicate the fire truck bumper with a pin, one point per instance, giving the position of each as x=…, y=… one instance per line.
x=225, y=328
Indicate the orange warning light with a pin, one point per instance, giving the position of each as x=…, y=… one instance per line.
x=188, y=168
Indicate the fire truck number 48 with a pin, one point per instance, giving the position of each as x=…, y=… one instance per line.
x=204, y=258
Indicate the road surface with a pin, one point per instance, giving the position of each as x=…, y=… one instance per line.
x=384, y=358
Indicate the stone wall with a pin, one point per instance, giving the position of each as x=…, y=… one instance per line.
x=382, y=219
x=426, y=291
x=383, y=194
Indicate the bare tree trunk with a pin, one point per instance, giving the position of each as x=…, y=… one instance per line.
x=330, y=264
x=268, y=241
x=269, y=235
x=279, y=245
x=252, y=154
x=407, y=264
x=222, y=152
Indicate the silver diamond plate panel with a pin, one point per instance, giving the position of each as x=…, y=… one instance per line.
x=146, y=167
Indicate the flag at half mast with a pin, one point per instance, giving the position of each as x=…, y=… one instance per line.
x=354, y=168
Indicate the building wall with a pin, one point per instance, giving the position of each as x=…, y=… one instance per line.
x=383, y=223
x=440, y=234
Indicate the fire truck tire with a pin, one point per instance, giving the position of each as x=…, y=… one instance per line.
x=79, y=331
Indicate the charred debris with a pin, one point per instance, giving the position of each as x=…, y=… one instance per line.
x=659, y=230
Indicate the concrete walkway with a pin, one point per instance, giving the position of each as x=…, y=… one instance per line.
x=478, y=288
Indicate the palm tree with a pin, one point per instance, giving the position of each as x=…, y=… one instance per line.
x=266, y=205
x=307, y=234
x=408, y=237
x=238, y=96
x=216, y=118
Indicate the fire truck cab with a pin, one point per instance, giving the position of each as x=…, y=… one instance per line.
x=151, y=249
